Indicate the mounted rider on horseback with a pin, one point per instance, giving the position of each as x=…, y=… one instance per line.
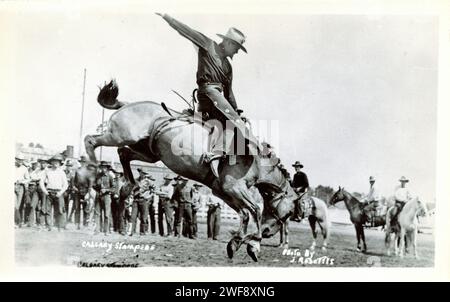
x=215, y=94
x=402, y=196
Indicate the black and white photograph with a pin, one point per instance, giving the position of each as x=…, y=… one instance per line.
x=151, y=136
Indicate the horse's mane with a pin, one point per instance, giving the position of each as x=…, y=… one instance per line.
x=352, y=198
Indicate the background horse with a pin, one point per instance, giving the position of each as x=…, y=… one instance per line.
x=319, y=216
x=405, y=229
x=357, y=215
x=148, y=132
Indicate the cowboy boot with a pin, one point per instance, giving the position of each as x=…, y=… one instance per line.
x=218, y=150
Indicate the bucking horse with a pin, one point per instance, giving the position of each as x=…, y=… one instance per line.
x=150, y=132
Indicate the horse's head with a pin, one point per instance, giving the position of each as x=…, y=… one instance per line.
x=421, y=207
x=338, y=196
x=278, y=207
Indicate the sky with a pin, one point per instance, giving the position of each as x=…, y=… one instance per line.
x=352, y=95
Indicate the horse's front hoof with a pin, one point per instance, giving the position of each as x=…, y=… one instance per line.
x=253, y=252
x=231, y=248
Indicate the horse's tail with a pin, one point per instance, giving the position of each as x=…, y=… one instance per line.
x=107, y=97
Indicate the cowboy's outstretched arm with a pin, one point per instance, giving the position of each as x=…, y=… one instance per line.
x=194, y=36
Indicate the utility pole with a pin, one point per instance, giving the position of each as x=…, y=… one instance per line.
x=103, y=120
x=82, y=115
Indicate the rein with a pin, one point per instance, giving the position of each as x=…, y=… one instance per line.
x=271, y=208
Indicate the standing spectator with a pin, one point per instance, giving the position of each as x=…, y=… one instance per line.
x=165, y=208
x=53, y=185
x=213, y=219
x=119, y=181
x=196, y=206
x=83, y=183
x=68, y=195
x=183, y=196
x=151, y=202
x=104, y=185
x=36, y=176
x=32, y=200
x=141, y=195
x=125, y=203
x=20, y=185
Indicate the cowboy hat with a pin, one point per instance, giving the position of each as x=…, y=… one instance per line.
x=20, y=157
x=82, y=159
x=40, y=160
x=57, y=157
x=148, y=176
x=182, y=178
x=91, y=165
x=69, y=163
x=197, y=185
x=118, y=170
x=235, y=35
x=105, y=163
x=371, y=178
x=167, y=177
x=403, y=179
x=297, y=164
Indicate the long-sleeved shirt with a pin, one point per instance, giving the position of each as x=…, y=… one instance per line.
x=22, y=175
x=38, y=174
x=300, y=181
x=105, y=182
x=373, y=194
x=54, y=179
x=211, y=67
x=212, y=201
x=165, y=191
x=182, y=194
x=402, y=194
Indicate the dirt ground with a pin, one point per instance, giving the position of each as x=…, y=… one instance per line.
x=82, y=248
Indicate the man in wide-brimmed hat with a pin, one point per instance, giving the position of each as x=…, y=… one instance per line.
x=20, y=185
x=214, y=79
x=182, y=198
x=151, y=202
x=371, y=201
x=53, y=185
x=402, y=196
x=82, y=188
x=165, y=207
x=104, y=185
x=300, y=184
x=196, y=206
x=68, y=195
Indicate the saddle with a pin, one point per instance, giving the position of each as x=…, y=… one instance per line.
x=399, y=205
x=374, y=212
x=189, y=116
x=307, y=205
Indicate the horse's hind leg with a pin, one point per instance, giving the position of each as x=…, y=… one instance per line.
x=312, y=222
x=126, y=155
x=91, y=142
